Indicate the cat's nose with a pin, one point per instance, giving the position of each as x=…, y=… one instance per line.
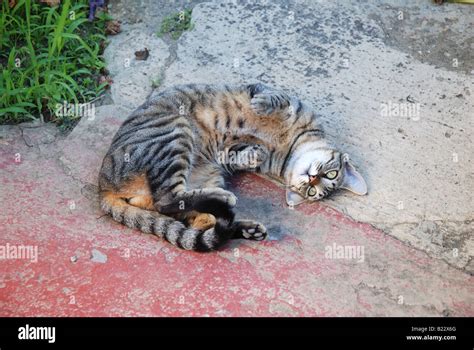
x=313, y=180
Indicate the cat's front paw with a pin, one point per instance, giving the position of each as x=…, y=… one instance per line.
x=250, y=229
x=262, y=104
x=251, y=157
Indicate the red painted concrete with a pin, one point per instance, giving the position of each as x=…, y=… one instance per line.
x=286, y=275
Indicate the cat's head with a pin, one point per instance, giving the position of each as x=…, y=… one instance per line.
x=313, y=174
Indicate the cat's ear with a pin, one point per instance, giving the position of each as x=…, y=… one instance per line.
x=352, y=180
x=293, y=198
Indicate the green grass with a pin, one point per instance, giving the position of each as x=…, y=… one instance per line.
x=175, y=24
x=48, y=55
x=155, y=83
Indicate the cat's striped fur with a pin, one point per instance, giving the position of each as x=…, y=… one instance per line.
x=163, y=174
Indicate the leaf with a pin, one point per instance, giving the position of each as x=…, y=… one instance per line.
x=142, y=54
x=13, y=110
x=57, y=41
x=112, y=27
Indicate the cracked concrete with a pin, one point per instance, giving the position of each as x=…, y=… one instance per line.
x=349, y=60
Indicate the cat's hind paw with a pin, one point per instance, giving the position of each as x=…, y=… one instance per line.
x=249, y=229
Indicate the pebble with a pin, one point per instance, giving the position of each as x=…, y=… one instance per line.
x=98, y=256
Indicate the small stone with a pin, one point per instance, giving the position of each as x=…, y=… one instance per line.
x=73, y=259
x=98, y=256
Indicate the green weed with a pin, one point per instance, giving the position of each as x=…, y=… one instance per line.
x=176, y=24
x=48, y=55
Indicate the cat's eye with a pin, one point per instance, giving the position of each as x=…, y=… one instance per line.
x=312, y=191
x=331, y=174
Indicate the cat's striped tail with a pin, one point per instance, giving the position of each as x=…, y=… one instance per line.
x=172, y=230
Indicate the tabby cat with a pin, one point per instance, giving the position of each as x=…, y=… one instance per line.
x=165, y=170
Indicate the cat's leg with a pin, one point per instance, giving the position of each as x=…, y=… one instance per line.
x=203, y=193
x=208, y=175
x=209, y=199
x=168, y=168
x=240, y=229
x=248, y=229
x=266, y=101
x=203, y=175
